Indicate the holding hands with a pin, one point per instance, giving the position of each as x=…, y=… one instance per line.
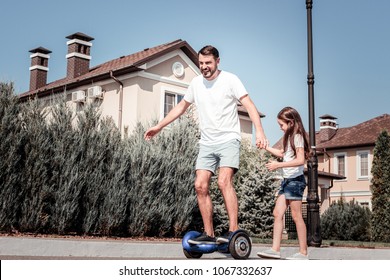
x=261, y=141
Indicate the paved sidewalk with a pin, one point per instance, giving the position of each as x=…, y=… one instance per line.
x=61, y=248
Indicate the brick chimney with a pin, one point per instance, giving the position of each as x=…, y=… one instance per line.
x=39, y=67
x=328, y=128
x=78, y=57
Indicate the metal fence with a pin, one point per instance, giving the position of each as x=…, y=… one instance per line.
x=289, y=224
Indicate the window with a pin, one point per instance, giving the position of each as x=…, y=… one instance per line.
x=170, y=101
x=365, y=204
x=340, y=164
x=362, y=164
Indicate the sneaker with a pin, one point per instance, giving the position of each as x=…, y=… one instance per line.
x=202, y=239
x=225, y=238
x=298, y=256
x=269, y=254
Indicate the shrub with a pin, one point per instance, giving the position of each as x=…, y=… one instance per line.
x=12, y=141
x=380, y=187
x=346, y=221
x=255, y=189
x=69, y=172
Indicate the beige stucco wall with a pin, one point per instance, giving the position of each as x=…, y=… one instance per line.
x=155, y=82
x=246, y=129
x=142, y=93
x=351, y=188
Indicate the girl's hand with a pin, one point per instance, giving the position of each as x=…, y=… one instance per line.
x=272, y=165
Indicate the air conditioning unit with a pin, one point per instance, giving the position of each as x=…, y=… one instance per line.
x=78, y=96
x=95, y=92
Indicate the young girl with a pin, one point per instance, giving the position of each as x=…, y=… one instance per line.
x=295, y=151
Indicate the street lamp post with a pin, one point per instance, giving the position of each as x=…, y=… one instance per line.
x=313, y=213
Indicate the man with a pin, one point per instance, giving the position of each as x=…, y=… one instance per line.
x=215, y=94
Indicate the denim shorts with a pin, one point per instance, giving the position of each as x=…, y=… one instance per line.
x=293, y=188
x=211, y=157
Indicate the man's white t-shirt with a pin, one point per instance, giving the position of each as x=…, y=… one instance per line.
x=216, y=103
x=292, y=172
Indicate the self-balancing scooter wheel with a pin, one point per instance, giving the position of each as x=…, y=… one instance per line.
x=240, y=245
x=190, y=251
x=192, y=255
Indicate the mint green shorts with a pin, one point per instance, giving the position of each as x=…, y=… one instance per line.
x=211, y=157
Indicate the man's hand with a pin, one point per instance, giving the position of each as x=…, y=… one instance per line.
x=261, y=141
x=151, y=132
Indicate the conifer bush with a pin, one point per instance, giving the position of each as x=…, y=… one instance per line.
x=12, y=157
x=71, y=172
x=161, y=179
x=346, y=221
x=380, y=187
x=35, y=180
x=255, y=188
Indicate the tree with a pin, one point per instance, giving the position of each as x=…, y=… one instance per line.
x=255, y=187
x=380, y=187
x=35, y=181
x=12, y=157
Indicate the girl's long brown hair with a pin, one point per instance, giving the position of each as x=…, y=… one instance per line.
x=295, y=126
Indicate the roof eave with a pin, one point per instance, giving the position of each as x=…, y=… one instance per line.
x=337, y=147
x=47, y=90
x=183, y=45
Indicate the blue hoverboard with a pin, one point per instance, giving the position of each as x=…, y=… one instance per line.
x=239, y=246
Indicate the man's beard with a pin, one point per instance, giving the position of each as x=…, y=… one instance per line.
x=207, y=73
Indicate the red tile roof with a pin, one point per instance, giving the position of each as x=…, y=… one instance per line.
x=119, y=66
x=363, y=134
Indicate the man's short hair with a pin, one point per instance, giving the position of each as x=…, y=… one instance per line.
x=209, y=50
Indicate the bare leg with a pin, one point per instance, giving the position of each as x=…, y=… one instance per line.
x=202, y=183
x=296, y=213
x=279, y=211
x=225, y=184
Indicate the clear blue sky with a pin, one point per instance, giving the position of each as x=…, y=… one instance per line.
x=264, y=42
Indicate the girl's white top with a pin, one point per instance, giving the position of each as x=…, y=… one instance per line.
x=292, y=172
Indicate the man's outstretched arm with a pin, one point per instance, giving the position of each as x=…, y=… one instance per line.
x=176, y=112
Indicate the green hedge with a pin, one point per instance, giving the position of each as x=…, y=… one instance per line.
x=71, y=173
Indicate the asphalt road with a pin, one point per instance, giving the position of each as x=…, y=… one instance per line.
x=25, y=248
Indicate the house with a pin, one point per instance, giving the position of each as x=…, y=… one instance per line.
x=139, y=87
x=348, y=152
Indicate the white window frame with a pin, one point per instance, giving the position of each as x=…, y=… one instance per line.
x=358, y=164
x=336, y=164
x=365, y=204
x=167, y=90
